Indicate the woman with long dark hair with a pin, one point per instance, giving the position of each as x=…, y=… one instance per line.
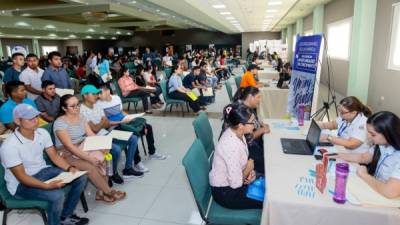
x=350, y=125
x=232, y=170
x=383, y=160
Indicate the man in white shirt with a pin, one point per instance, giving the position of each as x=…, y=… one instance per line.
x=26, y=170
x=32, y=77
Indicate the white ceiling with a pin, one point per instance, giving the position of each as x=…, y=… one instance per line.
x=72, y=19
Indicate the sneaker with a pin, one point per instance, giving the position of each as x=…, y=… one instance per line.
x=157, y=156
x=141, y=168
x=116, y=178
x=131, y=173
x=74, y=220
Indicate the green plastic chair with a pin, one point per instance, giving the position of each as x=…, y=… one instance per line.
x=168, y=72
x=197, y=168
x=203, y=131
x=244, y=68
x=170, y=101
x=238, y=80
x=129, y=100
x=228, y=87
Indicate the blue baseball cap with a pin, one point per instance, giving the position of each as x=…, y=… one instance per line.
x=90, y=89
x=25, y=111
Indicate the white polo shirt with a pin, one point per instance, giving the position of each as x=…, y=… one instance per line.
x=33, y=78
x=356, y=129
x=388, y=164
x=17, y=150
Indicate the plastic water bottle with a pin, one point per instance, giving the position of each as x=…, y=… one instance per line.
x=342, y=172
x=300, y=114
x=109, y=166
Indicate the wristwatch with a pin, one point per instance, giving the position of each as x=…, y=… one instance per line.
x=329, y=138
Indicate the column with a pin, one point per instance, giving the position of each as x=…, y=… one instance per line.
x=1, y=49
x=299, y=27
x=35, y=46
x=289, y=36
x=283, y=36
x=318, y=19
x=362, y=39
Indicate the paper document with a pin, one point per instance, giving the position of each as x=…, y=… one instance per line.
x=120, y=135
x=93, y=143
x=368, y=196
x=67, y=177
x=106, y=77
x=5, y=136
x=208, y=92
x=61, y=92
x=133, y=116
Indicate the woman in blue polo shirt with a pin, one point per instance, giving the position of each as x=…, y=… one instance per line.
x=383, y=160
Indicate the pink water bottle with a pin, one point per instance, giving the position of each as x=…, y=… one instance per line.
x=342, y=171
x=300, y=114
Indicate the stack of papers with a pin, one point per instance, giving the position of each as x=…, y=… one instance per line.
x=133, y=116
x=368, y=196
x=93, y=143
x=120, y=135
x=208, y=92
x=67, y=177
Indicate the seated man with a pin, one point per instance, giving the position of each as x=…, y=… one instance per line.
x=112, y=106
x=48, y=103
x=17, y=95
x=248, y=78
x=26, y=170
x=98, y=122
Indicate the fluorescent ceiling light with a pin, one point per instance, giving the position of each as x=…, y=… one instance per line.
x=271, y=11
x=50, y=26
x=275, y=3
x=91, y=30
x=269, y=16
x=234, y=21
x=225, y=13
x=157, y=10
x=118, y=32
x=26, y=14
x=220, y=6
x=101, y=37
x=129, y=33
x=52, y=35
x=88, y=36
x=113, y=38
x=112, y=15
x=72, y=36
x=22, y=24
x=19, y=36
x=230, y=18
x=132, y=2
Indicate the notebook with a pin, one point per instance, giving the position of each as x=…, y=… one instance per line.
x=133, y=116
x=120, y=135
x=67, y=177
x=93, y=143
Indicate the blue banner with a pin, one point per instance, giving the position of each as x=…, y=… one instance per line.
x=304, y=73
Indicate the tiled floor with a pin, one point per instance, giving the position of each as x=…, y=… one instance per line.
x=163, y=196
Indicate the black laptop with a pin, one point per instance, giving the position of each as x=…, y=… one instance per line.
x=300, y=146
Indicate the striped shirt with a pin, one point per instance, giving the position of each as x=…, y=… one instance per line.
x=76, y=132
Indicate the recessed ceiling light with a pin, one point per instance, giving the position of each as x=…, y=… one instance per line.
x=113, y=38
x=22, y=24
x=132, y=2
x=50, y=26
x=52, y=35
x=157, y=10
x=271, y=11
x=91, y=30
x=220, y=6
x=275, y=3
x=101, y=37
x=225, y=13
x=19, y=36
x=129, y=33
x=230, y=18
x=72, y=36
x=113, y=15
x=173, y=16
x=234, y=21
x=88, y=36
x=269, y=16
x=26, y=14
x=118, y=32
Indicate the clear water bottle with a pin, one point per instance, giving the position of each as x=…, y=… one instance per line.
x=342, y=172
x=300, y=114
x=109, y=166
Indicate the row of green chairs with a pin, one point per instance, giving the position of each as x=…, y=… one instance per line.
x=10, y=203
x=170, y=101
x=197, y=167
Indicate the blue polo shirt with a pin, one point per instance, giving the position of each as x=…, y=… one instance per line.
x=59, y=76
x=6, y=110
x=11, y=75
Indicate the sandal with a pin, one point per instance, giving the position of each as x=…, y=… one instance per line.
x=118, y=195
x=109, y=199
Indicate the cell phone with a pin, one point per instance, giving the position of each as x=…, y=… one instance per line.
x=318, y=157
x=325, y=144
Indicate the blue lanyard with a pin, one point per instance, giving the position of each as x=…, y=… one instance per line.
x=380, y=164
x=342, y=129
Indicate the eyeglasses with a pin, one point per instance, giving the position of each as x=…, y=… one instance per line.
x=340, y=110
x=74, y=106
x=253, y=122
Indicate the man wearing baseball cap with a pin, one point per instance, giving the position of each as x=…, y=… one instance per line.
x=248, y=78
x=26, y=170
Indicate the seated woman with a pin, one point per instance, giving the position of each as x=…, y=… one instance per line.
x=251, y=97
x=70, y=130
x=145, y=78
x=176, y=90
x=351, y=125
x=130, y=89
x=383, y=171
x=232, y=170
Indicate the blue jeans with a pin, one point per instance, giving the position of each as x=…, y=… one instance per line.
x=116, y=152
x=55, y=197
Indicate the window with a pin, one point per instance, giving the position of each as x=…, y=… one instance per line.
x=394, y=55
x=47, y=49
x=308, y=33
x=339, y=37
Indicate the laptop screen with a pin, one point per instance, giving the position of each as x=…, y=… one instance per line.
x=313, y=135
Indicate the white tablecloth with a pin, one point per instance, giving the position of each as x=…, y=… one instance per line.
x=273, y=102
x=283, y=206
